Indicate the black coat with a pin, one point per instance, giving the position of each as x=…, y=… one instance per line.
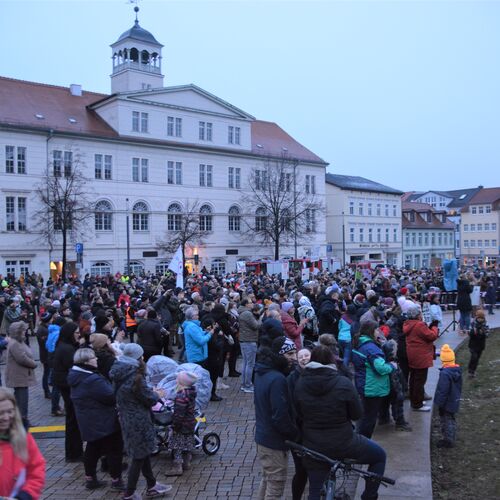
x=271, y=329
x=477, y=336
x=149, y=337
x=326, y=403
x=41, y=336
x=94, y=402
x=62, y=363
x=464, y=290
x=328, y=315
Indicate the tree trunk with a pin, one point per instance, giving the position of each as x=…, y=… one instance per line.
x=277, y=249
x=183, y=257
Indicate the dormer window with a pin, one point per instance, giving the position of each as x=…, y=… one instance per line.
x=140, y=122
x=429, y=217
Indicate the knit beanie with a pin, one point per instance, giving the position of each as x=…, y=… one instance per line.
x=404, y=290
x=282, y=345
x=447, y=355
x=370, y=294
x=134, y=351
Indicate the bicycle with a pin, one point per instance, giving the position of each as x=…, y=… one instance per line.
x=346, y=466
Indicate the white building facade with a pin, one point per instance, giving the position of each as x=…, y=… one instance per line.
x=148, y=153
x=363, y=220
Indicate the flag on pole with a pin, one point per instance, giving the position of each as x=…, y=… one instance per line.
x=177, y=267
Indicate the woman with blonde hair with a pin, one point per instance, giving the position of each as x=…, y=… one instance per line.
x=20, y=367
x=21, y=463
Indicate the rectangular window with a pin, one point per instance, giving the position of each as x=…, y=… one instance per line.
x=466, y=228
x=57, y=163
x=170, y=126
x=473, y=243
x=9, y=159
x=488, y=209
x=394, y=211
x=15, y=213
x=387, y=210
x=24, y=267
x=474, y=212
x=493, y=226
x=201, y=131
x=108, y=167
x=351, y=208
x=395, y=235
x=144, y=170
x=206, y=175
x=230, y=134
x=426, y=239
x=466, y=243
x=481, y=209
x=351, y=235
x=378, y=208
x=310, y=220
x=261, y=180
x=98, y=166
x=178, y=127
x=135, y=169
x=420, y=239
x=144, y=122
x=237, y=134
x=103, y=166
x=479, y=227
x=433, y=239
x=387, y=235
x=360, y=208
x=379, y=235
x=361, y=236
x=440, y=239
x=494, y=243
x=135, y=121
x=487, y=243
x=369, y=209
x=209, y=131
x=21, y=160
x=370, y=235
x=480, y=243
x=472, y=227
x=486, y=226
x=68, y=163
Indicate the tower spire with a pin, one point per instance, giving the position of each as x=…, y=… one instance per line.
x=136, y=10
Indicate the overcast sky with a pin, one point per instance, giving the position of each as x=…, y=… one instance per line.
x=403, y=93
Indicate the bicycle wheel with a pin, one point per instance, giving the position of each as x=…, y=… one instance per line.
x=211, y=443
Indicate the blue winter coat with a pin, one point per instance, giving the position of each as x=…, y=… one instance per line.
x=273, y=413
x=94, y=402
x=449, y=389
x=51, y=341
x=196, y=340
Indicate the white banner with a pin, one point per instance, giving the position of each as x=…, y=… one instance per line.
x=284, y=270
x=305, y=274
x=240, y=266
x=176, y=265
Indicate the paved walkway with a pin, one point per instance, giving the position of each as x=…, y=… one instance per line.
x=408, y=453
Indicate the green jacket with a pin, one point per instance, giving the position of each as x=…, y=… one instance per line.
x=371, y=369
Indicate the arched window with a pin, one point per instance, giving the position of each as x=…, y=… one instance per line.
x=174, y=217
x=134, y=55
x=145, y=57
x=100, y=269
x=140, y=217
x=136, y=267
x=205, y=218
x=234, y=219
x=286, y=220
x=103, y=216
x=218, y=267
x=162, y=267
x=260, y=219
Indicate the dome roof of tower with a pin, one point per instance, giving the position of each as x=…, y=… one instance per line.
x=138, y=33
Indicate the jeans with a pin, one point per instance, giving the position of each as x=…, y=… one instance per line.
x=346, y=350
x=448, y=426
x=364, y=451
x=138, y=465
x=371, y=408
x=474, y=360
x=249, y=352
x=299, y=480
x=112, y=447
x=418, y=378
x=21, y=395
x=274, y=468
x=45, y=378
x=464, y=321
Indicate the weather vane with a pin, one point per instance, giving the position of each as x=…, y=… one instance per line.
x=136, y=8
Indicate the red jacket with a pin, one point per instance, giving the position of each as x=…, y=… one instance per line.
x=291, y=329
x=419, y=343
x=12, y=466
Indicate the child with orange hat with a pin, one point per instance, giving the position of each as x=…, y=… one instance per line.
x=447, y=397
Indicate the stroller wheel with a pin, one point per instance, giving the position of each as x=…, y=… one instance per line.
x=211, y=443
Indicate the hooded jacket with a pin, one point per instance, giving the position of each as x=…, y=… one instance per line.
x=273, y=417
x=291, y=329
x=326, y=403
x=94, y=402
x=372, y=372
x=464, y=289
x=249, y=325
x=478, y=334
x=419, y=343
x=196, y=340
x=134, y=408
x=328, y=315
x=449, y=388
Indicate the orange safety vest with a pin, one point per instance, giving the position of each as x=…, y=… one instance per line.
x=129, y=322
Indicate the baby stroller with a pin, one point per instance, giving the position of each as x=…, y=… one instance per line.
x=162, y=418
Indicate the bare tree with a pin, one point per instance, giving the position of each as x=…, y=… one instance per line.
x=65, y=200
x=278, y=208
x=186, y=227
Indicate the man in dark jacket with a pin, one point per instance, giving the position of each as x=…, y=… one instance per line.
x=149, y=335
x=166, y=307
x=273, y=421
x=95, y=408
x=42, y=334
x=329, y=312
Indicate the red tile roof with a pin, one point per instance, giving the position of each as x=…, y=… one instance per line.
x=21, y=101
x=419, y=207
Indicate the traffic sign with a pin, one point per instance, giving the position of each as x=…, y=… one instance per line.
x=79, y=248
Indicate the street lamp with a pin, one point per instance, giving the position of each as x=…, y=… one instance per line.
x=128, y=237
x=343, y=241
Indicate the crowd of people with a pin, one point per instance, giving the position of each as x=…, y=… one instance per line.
x=317, y=355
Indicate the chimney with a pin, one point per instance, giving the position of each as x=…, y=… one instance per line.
x=75, y=89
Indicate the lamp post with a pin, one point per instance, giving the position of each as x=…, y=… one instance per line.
x=128, y=237
x=343, y=241
x=295, y=162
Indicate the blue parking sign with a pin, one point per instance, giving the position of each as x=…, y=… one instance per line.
x=79, y=248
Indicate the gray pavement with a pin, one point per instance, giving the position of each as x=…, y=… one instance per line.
x=408, y=453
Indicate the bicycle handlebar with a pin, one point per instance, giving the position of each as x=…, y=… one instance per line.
x=339, y=464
